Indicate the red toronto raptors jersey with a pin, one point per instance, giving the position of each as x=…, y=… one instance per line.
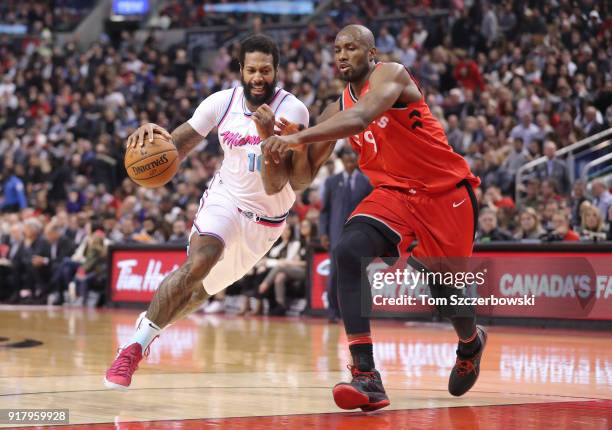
x=406, y=148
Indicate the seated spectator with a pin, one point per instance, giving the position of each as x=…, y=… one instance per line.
x=592, y=224
x=126, y=233
x=532, y=198
x=61, y=248
x=488, y=230
x=609, y=224
x=561, y=230
x=530, y=228
x=179, y=234
x=549, y=191
x=35, y=261
x=526, y=130
x=577, y=198
x=550, y=209
x=493, y=199
x=91, y=275
x=602, y=198
x=149, y=232
x=283, y=264
x=289, y=274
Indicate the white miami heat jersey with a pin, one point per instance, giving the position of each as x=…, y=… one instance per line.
x=240, y=170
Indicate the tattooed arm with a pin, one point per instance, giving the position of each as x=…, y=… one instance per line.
x=185, y=138
x=188, y=135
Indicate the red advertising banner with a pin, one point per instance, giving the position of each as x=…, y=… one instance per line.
x=319, y=272
x=563, y=285
x=137, y=272
x=574, y=286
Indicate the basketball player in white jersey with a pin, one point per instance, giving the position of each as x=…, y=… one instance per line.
x=243, y=211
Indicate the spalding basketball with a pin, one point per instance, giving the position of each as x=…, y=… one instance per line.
x=154, y=164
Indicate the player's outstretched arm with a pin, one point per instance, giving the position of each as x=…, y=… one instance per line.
x=306, y=164
x=389, y=83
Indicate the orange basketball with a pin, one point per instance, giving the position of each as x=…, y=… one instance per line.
x=154, y=164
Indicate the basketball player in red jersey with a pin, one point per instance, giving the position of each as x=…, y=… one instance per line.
x=422, y=191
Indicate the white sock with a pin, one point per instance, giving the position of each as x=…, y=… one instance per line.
x=146, y=331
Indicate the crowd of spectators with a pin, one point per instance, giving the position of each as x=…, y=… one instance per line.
x=44, y=16
x=509, y=80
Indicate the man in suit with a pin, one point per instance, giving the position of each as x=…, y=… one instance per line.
x=602, y=198
x=35, y=261
x=553, y=168
x=342, y=193
x=10, y=264
x=61, y=248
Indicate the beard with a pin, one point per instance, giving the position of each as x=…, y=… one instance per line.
x=258, y=100
x=354, y=74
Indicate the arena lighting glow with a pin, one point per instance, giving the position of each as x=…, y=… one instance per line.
x=268, y=7
x=130, y=7
x=13, y=29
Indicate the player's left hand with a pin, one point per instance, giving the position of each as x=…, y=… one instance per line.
x=276, y=146
x=286, y=127
x=264, y=121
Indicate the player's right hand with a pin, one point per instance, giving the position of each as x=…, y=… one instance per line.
x=264, y=121
x=144, y=132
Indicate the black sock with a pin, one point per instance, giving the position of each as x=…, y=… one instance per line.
x=363, y=356
x=470, y=347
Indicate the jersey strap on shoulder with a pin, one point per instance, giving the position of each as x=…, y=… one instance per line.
x=278, y=99
x=227, y=110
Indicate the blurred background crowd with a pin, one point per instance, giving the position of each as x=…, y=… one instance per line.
x=510, y=81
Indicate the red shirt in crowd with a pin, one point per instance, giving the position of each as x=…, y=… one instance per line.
x=467, y=74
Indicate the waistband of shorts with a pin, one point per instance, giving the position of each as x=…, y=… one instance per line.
x=264, y=220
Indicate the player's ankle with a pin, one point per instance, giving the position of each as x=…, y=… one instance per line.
x=469, y=347
x=362, y=352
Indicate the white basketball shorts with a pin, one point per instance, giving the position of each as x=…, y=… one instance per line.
x=245, y=240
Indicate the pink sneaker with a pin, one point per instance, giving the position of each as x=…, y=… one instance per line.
x=119, y=376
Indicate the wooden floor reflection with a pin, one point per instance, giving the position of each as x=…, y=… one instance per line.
x=239, y=373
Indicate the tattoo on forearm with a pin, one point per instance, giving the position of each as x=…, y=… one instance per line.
x=185, y=139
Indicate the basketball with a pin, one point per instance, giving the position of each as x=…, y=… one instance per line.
x=154, y=164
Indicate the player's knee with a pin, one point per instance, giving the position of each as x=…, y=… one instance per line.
x=347, y=254
x=202, y=259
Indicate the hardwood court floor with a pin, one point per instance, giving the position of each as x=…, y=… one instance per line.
x=210, y=372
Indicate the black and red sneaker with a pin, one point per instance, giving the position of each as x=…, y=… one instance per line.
x=365, y=391
x=466, y=369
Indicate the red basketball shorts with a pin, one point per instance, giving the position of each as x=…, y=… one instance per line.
x=443, y=224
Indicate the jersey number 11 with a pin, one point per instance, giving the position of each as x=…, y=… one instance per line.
x=254, y=162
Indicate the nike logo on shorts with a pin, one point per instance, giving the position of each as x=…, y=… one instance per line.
x=456, y=205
